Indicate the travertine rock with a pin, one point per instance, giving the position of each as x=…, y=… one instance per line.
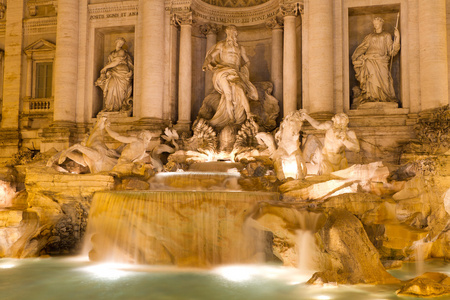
x=430, y=284
x=51, y=215
x=348, y=253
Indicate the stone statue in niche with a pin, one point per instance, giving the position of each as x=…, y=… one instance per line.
x=372, y=61
x=116, y=79
x=337, y=138
x=231, y=79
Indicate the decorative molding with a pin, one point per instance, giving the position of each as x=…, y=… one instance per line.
x=40, y=46
x=34, y=4
x=235, y=3
x=183, y=18
x=274, y=23
x=39, y=26
x=210, y=28
x=180, y=5
x=2, y=28
x=291, y=9
x=245, y=16
x=114, y=10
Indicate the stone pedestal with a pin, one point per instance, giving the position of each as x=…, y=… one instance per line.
x=60, y=136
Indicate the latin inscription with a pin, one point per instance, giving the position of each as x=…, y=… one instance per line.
x=234, y=20
x=113, y=15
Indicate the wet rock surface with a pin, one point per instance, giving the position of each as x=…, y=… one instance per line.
x=429, y=284
x=347, y=253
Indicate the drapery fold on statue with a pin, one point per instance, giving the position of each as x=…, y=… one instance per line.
x=232, y=112
x=371, y=63
x=116, y=85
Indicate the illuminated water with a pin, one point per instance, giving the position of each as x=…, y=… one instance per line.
x=63, y=278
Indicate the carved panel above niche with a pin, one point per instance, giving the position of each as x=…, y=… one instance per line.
x=243, y=16
x=113, y=11
x=235, y=3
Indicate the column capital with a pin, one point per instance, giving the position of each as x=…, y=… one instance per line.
x=290, y=9
x=274, y=23
x=183, y=18
x=210, y=28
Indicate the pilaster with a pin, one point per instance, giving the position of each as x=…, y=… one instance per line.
x=433, y=54
x=9, y=130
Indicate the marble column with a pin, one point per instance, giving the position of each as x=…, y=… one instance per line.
x=173, y=61
x=185, y=71
x=66, y=63
x=289, y=12
x=151, y=90
x=9, y=131
x=276, y=72
x=210, y=31
x=433, y=54
x=321, y=71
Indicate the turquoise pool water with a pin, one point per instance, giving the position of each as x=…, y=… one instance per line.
x=76, y=278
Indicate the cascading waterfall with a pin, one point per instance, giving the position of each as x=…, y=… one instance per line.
x=307, y=248
x=196, y=181
x=187, y=228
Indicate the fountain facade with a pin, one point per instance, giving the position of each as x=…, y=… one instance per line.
x=250, y=133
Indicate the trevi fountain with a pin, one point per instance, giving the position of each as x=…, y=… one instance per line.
x=224, y=149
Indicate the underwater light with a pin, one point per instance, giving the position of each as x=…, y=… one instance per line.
x=323, y=297
x=237, y=273
x=7, y=266
x=108, y=271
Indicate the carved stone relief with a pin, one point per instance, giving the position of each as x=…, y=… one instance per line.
x=235, y=3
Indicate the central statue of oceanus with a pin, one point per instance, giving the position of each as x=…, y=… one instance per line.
x=230, y=64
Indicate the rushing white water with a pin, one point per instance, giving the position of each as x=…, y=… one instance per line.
x=307, y=248
x=185, y=228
